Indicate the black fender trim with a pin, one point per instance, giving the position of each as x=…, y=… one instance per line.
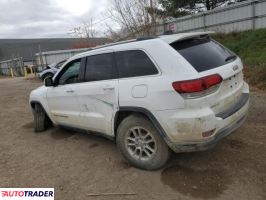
x=42, y=108
x=79, y=130
x=149, y=115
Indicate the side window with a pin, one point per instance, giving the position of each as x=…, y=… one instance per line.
x=100, y=67
x=71, y=73
x=134, y=63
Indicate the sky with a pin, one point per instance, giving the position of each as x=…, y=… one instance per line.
x=49, y=18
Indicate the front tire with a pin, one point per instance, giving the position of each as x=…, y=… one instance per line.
x=140, y=143
x=41, y=121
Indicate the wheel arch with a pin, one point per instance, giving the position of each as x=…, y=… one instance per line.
x=125, y=111
x=34, y=102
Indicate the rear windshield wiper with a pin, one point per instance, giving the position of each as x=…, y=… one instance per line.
x=232, y=57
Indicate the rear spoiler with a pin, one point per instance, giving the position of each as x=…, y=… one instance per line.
x=182, y=36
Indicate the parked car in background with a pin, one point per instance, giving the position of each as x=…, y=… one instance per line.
x=50, y=70
x=182, y=92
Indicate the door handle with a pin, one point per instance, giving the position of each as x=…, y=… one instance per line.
x=108, y=87
x=70, y=91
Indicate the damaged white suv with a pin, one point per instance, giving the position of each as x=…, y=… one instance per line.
x=180, y=92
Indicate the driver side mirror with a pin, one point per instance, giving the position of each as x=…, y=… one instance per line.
x=48, y=82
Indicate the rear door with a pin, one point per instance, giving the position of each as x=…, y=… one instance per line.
x=98, y=95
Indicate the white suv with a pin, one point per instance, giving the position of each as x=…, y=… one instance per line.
x=181, y=92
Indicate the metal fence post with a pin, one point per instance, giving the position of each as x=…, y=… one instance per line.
x=21, y=66
x=13, y=67
x=41, y=58
x=204, y=21
x=253, y=14
x=163, y=25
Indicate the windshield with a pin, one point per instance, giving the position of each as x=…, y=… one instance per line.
x=60, y=64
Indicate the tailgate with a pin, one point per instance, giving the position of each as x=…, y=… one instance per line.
x=229, y=91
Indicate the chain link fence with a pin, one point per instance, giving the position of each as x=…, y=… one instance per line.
x=13, y=67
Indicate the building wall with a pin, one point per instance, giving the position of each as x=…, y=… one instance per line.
x=27, y=48
x=46, y=58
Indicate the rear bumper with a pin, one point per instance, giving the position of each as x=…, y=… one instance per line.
x=184, y=128
x=230, y=111
x=208, y=144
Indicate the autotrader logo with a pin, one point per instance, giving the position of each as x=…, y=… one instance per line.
x=26, y=193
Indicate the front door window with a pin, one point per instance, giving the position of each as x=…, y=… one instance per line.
x=71, y=73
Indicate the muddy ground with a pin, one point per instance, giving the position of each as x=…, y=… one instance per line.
x=77, y=164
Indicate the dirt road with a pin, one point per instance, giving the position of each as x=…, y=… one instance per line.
x=77, y=164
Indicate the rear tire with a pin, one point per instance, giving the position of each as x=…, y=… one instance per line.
x=41, y=121
x=140, y=143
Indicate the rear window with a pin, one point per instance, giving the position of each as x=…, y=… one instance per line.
x=203, y=53
x=134, y=63
x=100, y=67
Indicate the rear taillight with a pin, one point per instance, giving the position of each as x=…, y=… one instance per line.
x=197, y=85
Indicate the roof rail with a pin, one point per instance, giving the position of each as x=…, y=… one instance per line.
x=113, y=44
x=168, y=32
x=146, y=38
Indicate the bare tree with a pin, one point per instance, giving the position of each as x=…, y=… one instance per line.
x=86, y=32
x=135, y=17
x=112, y=34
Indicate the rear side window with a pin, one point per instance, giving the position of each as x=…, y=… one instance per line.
x=100, y=67
x=134, y=63
x=203, y=53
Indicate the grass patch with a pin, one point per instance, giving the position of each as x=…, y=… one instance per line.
x=250, y=46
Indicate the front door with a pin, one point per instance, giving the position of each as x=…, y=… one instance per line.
x=62, y=99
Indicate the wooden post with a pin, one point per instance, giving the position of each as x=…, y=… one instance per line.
x=25, y=72
x=31, y=71
x=11, y=72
